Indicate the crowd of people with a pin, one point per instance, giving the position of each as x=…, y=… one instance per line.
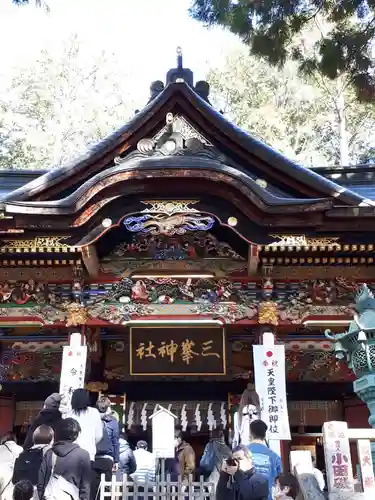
x=64, y=456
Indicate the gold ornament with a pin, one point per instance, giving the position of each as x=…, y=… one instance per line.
x=96, y=387
x=300, y=240
x=267, y=313
x=77, y=315
x=169, y=207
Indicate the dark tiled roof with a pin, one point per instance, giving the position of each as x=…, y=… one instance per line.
x=10, y=180
x=357, y=178
x=195, y=107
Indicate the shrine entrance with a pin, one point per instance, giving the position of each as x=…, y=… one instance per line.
x=182, y=367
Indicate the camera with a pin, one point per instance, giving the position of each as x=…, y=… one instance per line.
x=231, y=462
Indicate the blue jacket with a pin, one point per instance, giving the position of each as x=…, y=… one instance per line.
x=109, y=444
x=249, y=485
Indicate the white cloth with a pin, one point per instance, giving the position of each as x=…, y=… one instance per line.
x=8, y=454
x=320, y=478
x=241, y=430
x=91, y=429
x=146, y=466
x=241, y=433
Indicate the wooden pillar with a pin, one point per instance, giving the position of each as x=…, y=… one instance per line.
x=90, y=260
x=252, y=259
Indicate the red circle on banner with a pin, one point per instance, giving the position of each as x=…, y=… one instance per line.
x=269, y=354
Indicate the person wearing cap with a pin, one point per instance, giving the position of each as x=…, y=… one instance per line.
x=50, y=415
x=145, y=463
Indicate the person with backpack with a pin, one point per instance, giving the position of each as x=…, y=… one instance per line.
x=107, y=450
x=89, y=420
x=215, y=452
x=9, y=451
x=28, y=463
x=23, y=490
x=65, y=473
x=50, y=415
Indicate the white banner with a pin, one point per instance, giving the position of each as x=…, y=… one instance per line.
x=366, y=466
x=72, y=372
x=270, y=384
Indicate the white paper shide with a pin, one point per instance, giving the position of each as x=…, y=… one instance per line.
x=270, y=384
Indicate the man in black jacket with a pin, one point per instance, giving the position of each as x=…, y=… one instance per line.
x=72, y=462
x=238, y=479
x=50, y=415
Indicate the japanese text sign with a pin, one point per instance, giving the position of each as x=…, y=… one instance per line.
x=163, y=425
x=177, y=351
x=72, y=371
x=337, y=456
x=270, y=384
x=366, y=465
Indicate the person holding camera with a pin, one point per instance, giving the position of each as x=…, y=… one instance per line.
x=239, y=480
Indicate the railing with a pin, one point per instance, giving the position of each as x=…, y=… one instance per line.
x=158, y=490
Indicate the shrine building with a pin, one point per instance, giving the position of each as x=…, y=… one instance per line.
x=171, y=245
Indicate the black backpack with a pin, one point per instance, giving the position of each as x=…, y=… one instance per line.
x=27, y=466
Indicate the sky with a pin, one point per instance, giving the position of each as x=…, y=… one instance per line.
x=145, y=33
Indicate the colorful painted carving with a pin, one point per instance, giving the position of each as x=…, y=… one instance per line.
x=168, y=225
x=303, y=362
x=30, y=366
x=193, y=246
x=30, y=291
x=170, y=290
x=267, y=303
x=316, y=366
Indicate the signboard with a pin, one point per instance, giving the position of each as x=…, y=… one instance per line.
x=366, y=465
x=303, y=459
x=337, y=456
x=72, y=372
x=163, y=423
x=177, y=350
x=270, y=384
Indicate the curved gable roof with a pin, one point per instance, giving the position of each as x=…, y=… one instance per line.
x=254, y=156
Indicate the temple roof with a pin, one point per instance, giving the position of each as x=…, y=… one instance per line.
x=358, y=178
x=262, y=161
x=179, y=145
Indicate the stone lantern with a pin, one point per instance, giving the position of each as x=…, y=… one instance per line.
x=357, y=347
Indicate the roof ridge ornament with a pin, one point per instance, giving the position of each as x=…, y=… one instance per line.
x=179, y=58
x=180, y=75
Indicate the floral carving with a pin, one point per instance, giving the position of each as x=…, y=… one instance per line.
x=119, y=314
x=230, y=313
x=298, y=312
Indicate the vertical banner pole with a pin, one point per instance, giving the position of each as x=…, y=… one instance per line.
x=73, y=368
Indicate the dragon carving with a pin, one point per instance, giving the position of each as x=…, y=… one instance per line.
x=168, y=225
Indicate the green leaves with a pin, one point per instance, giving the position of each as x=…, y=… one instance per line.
x=306, y=117
x=273, y=28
